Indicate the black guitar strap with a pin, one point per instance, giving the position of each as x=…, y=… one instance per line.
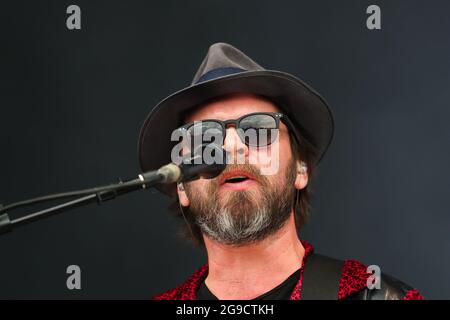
x=321, y=278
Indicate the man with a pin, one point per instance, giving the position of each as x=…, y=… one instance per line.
x=248, y=220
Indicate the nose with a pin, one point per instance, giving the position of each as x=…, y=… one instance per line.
x=234, y=145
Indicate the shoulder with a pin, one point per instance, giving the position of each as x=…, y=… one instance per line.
x=171, y=294
x=187, y=290
x=353, y=285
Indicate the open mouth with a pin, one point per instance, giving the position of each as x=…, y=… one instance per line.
x=236, y=179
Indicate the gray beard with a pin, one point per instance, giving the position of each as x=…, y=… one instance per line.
x=244, y=217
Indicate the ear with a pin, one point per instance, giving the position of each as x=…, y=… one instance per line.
x=182, y=196
x=301, y=181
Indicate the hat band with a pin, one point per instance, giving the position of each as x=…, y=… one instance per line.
x=219, y=72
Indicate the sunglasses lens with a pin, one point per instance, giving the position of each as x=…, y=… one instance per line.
x=258, y=130
x=205, y=132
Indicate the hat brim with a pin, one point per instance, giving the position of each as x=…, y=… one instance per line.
x=305, y=108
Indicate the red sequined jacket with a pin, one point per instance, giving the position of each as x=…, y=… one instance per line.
x=352, y=284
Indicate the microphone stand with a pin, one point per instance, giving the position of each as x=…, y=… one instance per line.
x=99, y=195
x=188, y=170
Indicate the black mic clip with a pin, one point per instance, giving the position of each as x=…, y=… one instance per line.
x=206, y=161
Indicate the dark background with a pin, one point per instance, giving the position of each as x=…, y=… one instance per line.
x=72, y=103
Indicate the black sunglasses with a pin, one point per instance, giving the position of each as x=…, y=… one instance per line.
x=255, y=129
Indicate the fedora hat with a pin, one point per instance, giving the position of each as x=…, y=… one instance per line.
x=225, y=70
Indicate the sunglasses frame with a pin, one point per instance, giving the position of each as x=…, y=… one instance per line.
x=277, y=116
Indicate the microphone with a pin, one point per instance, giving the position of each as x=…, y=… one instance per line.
x=206, y=161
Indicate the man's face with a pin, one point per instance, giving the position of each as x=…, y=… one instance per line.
x=252, y=205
